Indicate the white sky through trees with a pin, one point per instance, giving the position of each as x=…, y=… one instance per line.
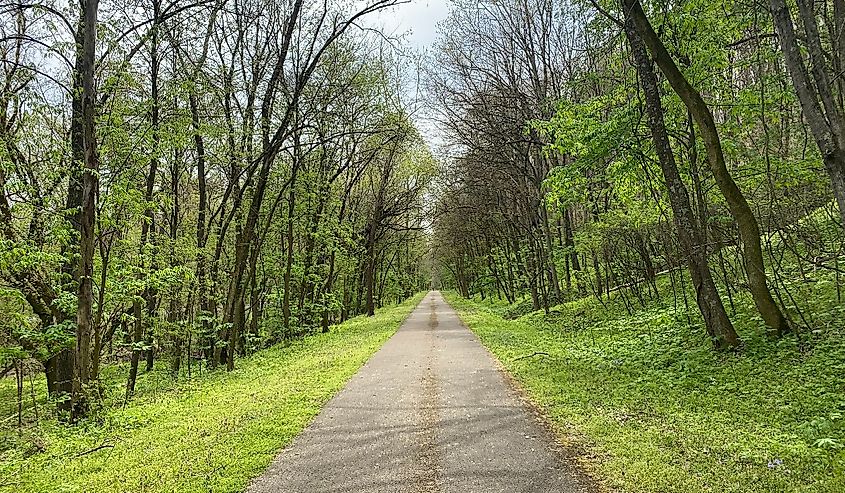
x=417, y=18
x=415, y=25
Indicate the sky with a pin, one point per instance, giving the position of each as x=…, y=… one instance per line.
x=415, y=22
x=417, y=18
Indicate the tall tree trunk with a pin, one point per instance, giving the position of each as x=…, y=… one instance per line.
x=373, y=229
x=173, y=309
x=749, y=230
x=716, y=320
x=137, y=338
x=290, y=241
x=155, y=123
x=370, y=269
x=327, y=292
x=554, y=280
x=825, y=120
x=270, y=148
x=84, y=314
x=202, y=207
x=569, y=241
x=59, y=369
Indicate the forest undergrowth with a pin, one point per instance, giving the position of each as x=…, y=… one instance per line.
x=213, y=432
x=659, y=411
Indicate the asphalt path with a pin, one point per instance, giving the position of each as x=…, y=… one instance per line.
x=430, y=412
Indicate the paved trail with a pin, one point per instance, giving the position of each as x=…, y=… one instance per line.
x=430, y=412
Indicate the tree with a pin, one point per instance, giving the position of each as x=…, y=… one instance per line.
x=185, y=142
x=817, y=95
x=749, y=229
x=716, y=320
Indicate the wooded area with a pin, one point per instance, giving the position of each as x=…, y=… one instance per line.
x=600, y=145
x=197, y=180
x=637, y=206
x=642, y=213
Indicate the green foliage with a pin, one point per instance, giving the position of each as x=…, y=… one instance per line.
x=588, y=133
x=211, y=433
x=17, y=328
x=661, y=412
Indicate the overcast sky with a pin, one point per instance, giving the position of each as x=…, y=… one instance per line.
x=417, y=18
x=416, y=23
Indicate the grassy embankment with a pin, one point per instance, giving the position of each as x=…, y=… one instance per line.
x=657, y=410
x=212, y=433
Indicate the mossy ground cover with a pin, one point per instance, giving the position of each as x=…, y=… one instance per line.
x=659, y=411
x=210, y=434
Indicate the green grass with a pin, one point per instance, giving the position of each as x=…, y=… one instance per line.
x=659, y=411
x=213, y=433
